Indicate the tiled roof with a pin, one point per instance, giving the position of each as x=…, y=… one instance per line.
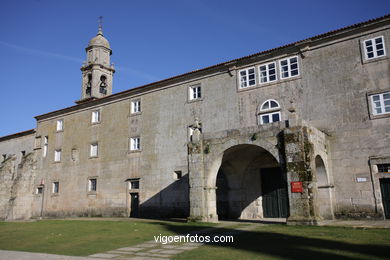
x=329, y=34
x=11, y=136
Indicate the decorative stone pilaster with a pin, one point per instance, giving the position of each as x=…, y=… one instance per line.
x=299, y=153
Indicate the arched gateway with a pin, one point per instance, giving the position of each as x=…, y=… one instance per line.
x=254, y=173
x=250, y=184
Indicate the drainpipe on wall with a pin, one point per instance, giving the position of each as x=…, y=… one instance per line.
x=43, y=196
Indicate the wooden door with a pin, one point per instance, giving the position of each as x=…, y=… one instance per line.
x=275, y=195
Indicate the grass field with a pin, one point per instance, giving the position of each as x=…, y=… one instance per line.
x=299, y=242
x=82, y=237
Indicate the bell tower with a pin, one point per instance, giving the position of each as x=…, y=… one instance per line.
x=97, y=71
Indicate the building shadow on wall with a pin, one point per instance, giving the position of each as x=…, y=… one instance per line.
x=291, y=246
x=170, y=202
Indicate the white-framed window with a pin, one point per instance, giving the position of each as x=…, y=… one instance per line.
x=374, y=48
x=195, y=92
x=289, y=67
x=57, y=155
x=45, y=145
x=93, y=151
x=95, y=116
x=136, y=106
x=56, y=187
x=135, y=143
x=247, y=77
x=269, y=112
x=267, y=72
x=380, y=103
x=60, y=125
x=92, y=184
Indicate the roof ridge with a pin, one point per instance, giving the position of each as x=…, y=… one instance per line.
x=316, y=37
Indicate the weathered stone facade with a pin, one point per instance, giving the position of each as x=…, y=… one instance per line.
x=325, y=137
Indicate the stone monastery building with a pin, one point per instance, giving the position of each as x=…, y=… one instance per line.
x=300, y=132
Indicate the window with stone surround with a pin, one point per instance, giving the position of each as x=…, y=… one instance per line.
x=267, y=72
x=289, y=67
x=95, y=117
x=247, y=77
x=39, y=189
x=45, y=146
x=134, y=184
x=93, y=151
x=57, y=155
x=380, y=103
x=135, y=143
x=60, y=125
x=56, y=187
x=92, y=184
x=195, y=92
x=269, y=112
x=136, y=106
x=374, y=48
x=384, y=168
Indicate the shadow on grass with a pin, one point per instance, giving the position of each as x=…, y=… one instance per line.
x=289, y=246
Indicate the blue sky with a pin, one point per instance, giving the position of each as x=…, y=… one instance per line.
x=42, y=42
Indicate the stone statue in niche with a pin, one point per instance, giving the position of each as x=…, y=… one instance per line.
x=196, y=131
x=75, y=154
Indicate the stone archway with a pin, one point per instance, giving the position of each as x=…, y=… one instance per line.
x=324, y=202
x=250, y=185
x=290, y=148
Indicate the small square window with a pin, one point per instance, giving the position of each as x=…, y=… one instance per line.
x=289, y=67
x=60, y=125
x=92, y=184
x=56, y=187
x=135, y=106
x=195, y=92
x=39, y=190
x=380, y=103
x=95, y=116
x=57, y=155
x=134, y=184
x=247, y=77
x=177, y=175
x=135, y=143
x=374, y=48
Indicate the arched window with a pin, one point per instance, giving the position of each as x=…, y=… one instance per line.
x=269, y=112
x=103, y=84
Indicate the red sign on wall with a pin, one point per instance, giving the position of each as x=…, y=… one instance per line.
x=296, y=186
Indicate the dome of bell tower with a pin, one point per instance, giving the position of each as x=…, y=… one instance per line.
x=99, y=40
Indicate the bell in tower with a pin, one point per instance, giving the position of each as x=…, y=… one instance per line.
x=97, y=72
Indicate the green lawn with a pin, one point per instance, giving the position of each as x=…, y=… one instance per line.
x=84, y=237
x=298, y=242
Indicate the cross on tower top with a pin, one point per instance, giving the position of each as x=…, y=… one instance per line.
x=100, y=25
